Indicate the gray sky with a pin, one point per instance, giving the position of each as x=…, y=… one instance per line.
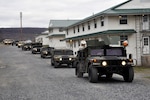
x=38, y=13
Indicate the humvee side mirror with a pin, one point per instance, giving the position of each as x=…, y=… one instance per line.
x=130, y=56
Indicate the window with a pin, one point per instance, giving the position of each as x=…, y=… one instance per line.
x=102, y=20
x=74, y=30
x=67, y=31
x=74, y=44
x=78, y=28
x=83, y=27
x=123, y=19
x=50, y=30
x=78, y=42
x=60, y=29
x=88, y=25
x=123, y=38
x=145, y=41
x=145, y=18
x=114, y=52
x=68, y=52
x=95, y=24
x=97, y=52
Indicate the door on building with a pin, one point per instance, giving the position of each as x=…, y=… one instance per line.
x=146, y=46
x=146, y=22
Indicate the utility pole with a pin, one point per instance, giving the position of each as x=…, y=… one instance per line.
x=21, y=26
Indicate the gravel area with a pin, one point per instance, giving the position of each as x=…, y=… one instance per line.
x=26, y=76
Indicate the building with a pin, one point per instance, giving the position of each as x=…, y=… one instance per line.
x=57, y=32
x=43, y=38
x=129, y=21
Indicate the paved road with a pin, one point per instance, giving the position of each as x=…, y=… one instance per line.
x=24, y=76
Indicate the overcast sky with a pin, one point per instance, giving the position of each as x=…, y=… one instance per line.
x=38, y=13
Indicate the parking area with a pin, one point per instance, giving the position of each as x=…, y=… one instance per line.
x=27, y=76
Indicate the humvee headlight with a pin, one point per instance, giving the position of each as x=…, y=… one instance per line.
x=45, y=52
x=123, y=63
x=56, y=58
x=35, y=49
x=70, y=58
x=60, y=59
x=104, y=63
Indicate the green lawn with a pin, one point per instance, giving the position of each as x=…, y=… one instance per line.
x=143, y=70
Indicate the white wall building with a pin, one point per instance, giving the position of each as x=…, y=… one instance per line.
x=57, y=32
x=43, y=38
x=127, y=21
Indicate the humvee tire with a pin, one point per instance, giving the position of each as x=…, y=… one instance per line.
x=93, y=74
x=78, y=72
x=128, y=74
x=56, y=65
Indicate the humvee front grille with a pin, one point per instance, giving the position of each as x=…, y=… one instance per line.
x=38, y=50
x=114, y=62
x=66, y=59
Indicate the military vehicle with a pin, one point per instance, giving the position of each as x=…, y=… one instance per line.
x=36, y=48
x=46, y=52
x=99, y=59
x=20, y=44
x=62, y=56
x=26, y=46
x=8, y=41
x=35, y=44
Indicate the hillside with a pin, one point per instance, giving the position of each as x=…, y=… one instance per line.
x=15, y=33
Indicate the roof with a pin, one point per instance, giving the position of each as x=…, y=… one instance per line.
x=51, y=35
x=45, y=32
x=61, y=23
x=115, y=11
x=127, y=11
x=61, y=48
x=129, y=31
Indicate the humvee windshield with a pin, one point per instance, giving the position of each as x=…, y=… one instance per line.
x=63, y=52
x=97, y=52
x=27, y=44
x=47, y=48
x=37, y=46
x=114, y=52
x=107, y=52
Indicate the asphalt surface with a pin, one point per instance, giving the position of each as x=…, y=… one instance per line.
x=26, y=76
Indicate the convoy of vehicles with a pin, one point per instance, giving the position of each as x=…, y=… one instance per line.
x=95, y=58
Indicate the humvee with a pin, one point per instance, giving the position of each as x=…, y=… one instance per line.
x=36, y=49
x=62, y=56
x=98, y=59
x=46, y=52
x=26, y=46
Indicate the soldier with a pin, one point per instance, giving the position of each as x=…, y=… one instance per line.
x=82, y=44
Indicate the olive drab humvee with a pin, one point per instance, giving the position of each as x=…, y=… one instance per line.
x=62, y=56
x=99, y=59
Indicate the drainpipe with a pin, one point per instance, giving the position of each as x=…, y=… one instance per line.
x=138, y=39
